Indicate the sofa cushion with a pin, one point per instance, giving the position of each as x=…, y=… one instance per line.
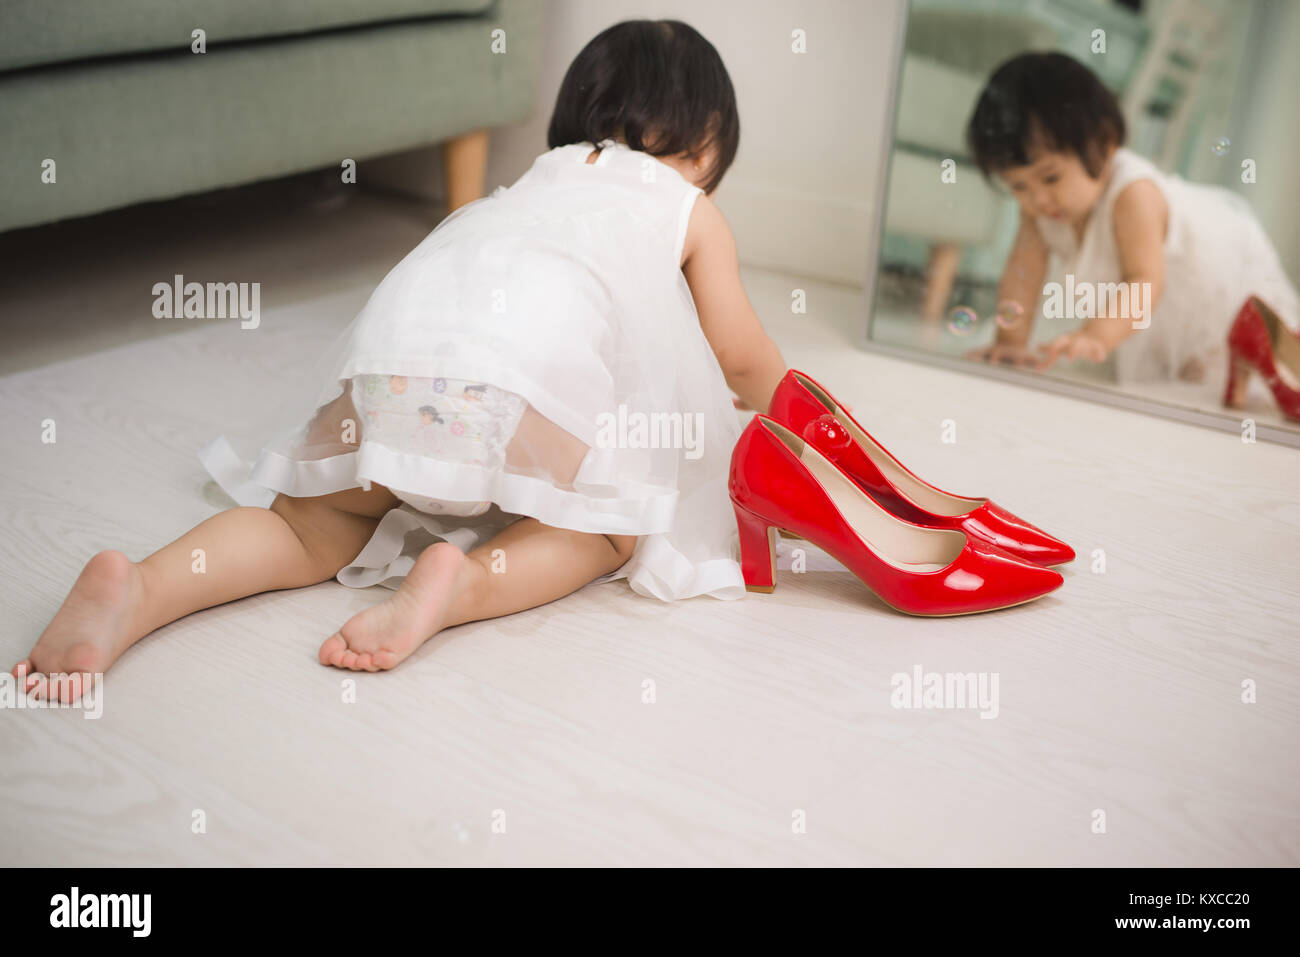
x=42, y=32
x=150, y=128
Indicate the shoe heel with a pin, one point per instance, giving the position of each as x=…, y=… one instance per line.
x=757, y=550
x=1239, y=372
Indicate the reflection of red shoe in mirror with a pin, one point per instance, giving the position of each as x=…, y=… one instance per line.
x=781, y=482
x=1260, y=342
x=804, y=406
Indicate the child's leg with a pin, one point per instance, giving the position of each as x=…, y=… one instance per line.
x=528, y=564
x=115, y=602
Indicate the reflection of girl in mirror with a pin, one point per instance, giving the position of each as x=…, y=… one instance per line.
x=1100, y=214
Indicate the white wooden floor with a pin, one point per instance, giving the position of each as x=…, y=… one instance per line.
x=527, y=740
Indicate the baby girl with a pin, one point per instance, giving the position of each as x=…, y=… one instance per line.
x=1094, y=215
x=603, y=283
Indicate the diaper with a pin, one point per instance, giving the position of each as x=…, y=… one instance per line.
x=453, y=420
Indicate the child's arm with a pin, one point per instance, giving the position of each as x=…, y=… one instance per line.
x=1022, y=282
x=750, y=360
x=1141, y=216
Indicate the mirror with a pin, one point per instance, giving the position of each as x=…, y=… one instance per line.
x=1084, y=195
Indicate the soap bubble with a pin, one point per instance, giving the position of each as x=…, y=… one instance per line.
x=962, y=320
x=1010, y=314
x=1220, y=146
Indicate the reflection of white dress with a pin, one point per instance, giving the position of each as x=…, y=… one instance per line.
x=1216, y=255
x=565, y=293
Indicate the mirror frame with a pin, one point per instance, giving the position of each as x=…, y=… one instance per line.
x=1219, y=421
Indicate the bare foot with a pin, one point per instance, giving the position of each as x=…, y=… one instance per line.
x=89, y=631
x=1193, y=370
x=380, y=637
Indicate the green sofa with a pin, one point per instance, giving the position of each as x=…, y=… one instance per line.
x=113, y=93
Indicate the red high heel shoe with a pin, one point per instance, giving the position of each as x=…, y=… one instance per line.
x=780, y=482
x=810, y=411
x=1260, y=342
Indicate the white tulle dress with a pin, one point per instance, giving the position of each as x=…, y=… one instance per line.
x=1216, y=256
x=538, y=354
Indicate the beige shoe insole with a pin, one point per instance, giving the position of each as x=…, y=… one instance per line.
x=907, y=547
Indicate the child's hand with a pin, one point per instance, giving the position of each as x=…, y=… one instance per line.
x=1005, y=353
x=1073, y=345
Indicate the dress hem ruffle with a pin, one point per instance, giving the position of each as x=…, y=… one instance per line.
x=452, y=481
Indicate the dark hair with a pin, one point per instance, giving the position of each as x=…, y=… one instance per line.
x=659, y=84
x=1043, y=101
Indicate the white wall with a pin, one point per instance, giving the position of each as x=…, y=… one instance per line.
x=801, y=195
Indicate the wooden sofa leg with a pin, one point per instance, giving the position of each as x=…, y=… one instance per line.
x=465, y=168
